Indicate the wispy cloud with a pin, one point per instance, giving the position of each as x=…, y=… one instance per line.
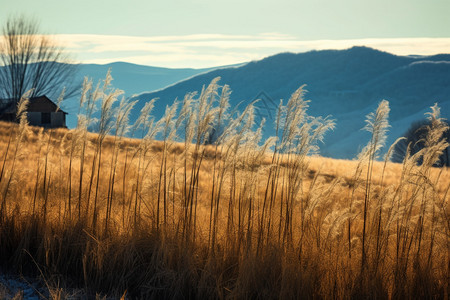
x=207, y=50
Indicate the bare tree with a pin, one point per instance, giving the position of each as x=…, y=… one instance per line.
x=30, y=60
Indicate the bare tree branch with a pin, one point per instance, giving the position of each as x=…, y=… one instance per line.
x=30, y=60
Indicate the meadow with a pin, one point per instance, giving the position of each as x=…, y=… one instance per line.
x=197, y=205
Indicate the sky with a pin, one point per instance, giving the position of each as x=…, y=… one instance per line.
x=206, y=33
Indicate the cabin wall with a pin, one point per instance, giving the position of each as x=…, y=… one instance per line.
x=34, y=118
x=58, y=119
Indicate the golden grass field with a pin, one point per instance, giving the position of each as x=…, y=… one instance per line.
x=140, y=218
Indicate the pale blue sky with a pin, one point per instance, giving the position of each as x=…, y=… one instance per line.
x=284, y=24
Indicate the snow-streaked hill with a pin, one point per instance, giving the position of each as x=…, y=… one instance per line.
x=346, y=84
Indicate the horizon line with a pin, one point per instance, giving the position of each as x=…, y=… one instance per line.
x=200, y=51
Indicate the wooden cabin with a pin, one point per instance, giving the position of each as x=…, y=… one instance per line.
x=41, y=111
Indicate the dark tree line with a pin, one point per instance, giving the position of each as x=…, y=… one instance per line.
x=414, y=137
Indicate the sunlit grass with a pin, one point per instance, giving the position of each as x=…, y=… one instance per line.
x=238, y=218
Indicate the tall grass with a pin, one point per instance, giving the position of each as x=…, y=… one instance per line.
x=201, y=207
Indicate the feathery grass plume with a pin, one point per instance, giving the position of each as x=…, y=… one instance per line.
x=168, y=124
x=108, y=96
x=256, y=149
x=144, y=117
x=60, y=99
x=206, y=111
x=40, y=140
x=272, y=183
x=334, y=223
x=150, y=129
x=22, y=131
x=319, y=127
x=197, y=129
x=123, y=116
x=291, y=117
x=78, y=146
x=21, y=113
x=381, y=235
x=238, y=127
x=46, y=181
x=220, y=122
x=435, y=144
x=416, y=135
x=186, y=120
x=186, y=117
x=88, y=104
x=389, y=154
x=246, y=188
x=21, y=116
x=417, y=214
x=107, y=113
x=232, y=155
x=86, y=87
x=122, y=113
x=299, y=136
x=377, y=124
x=46, y=178
x=239, y=148
x=316, y=210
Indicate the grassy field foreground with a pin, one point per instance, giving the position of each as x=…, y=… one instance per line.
x=238, y=218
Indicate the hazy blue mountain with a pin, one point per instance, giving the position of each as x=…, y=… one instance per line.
x=134, y=78
x=130, y=78
x=346, y=84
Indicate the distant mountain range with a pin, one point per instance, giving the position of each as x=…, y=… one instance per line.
x=345, y=84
